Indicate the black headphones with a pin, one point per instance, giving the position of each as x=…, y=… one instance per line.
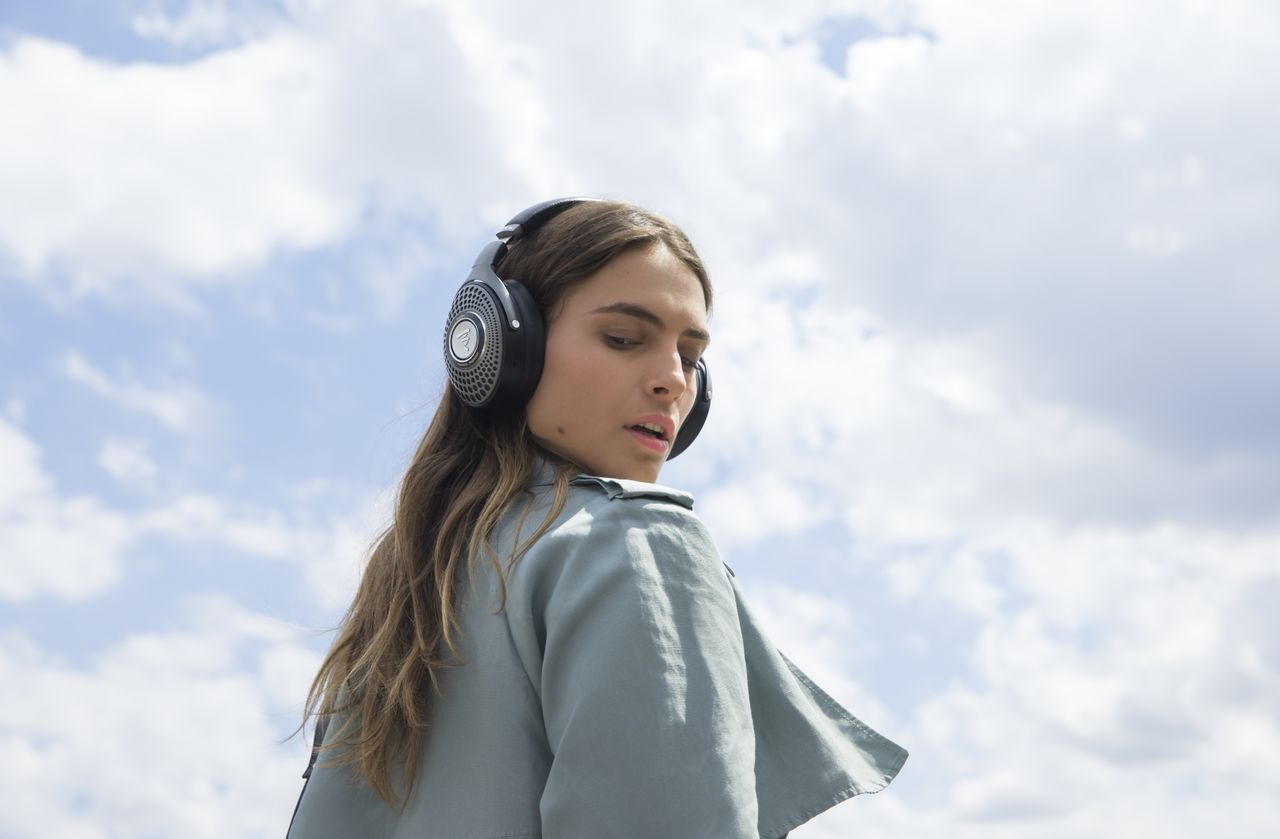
x=494, y=339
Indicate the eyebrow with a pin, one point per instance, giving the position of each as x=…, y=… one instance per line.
x=638, y=311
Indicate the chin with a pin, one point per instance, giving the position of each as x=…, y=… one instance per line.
x=648, y=475
x=625, y=468
x=631, y=472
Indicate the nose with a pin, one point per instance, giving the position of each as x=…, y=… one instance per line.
x=669, y=376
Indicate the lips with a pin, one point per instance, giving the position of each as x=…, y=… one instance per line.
x=648, y=440
x=667, y=424
x=654, y=432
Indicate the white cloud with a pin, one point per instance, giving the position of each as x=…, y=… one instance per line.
x=944, y=189
x=205, y=22
x=1154, y=676
x=1154, y=241
x=199, y=173
x=192, y=171
x=330, y=555
x=919, y=439
x=1085, y=201
x=1159, y=674
x=20, y=459
x=66, y=547
x=127, y=460
x=157, y=735
x=876, y=67
x=75, y=547
x=822, y=636
x=182, y=408
x=761, y=505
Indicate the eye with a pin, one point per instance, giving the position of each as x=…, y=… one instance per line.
x=620, y=342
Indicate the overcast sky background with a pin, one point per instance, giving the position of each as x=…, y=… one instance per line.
x=993, y=450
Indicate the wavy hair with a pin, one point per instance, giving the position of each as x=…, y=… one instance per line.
x=400, y=628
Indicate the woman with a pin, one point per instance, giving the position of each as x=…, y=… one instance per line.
x=600, y=676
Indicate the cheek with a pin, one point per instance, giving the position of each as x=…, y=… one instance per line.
x=574, y=365
x=687, y=400
x=575, y=396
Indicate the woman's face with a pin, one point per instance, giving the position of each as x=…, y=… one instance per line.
x=620, y=352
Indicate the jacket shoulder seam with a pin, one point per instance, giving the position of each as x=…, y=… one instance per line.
x=616, y=488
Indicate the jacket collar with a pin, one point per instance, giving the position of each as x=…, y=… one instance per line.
x=544, y=468
x=544, y=473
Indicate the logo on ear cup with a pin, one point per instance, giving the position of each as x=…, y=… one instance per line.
x=465, y=338
x=473, y=344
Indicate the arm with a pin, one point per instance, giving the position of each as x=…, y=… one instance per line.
x=643, y=683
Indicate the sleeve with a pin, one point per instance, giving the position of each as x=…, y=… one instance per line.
x=643, y=684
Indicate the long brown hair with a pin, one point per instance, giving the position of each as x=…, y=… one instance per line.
x=466, y=470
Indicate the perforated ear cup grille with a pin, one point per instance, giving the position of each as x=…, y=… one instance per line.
x=476, y=382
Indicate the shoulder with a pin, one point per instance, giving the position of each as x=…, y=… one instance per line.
x=613, y=521
x=626, y=555
x=626, y=514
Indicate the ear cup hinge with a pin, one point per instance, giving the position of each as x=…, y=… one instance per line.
x=482, y=272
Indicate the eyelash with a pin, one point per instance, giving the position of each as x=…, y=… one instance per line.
x=620, y=343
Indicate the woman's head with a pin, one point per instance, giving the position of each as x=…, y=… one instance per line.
x=625, y=299
x=620, y=354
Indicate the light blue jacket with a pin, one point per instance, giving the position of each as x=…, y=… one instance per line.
x=626, y=692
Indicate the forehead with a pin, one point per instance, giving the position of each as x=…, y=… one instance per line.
x=653, y=278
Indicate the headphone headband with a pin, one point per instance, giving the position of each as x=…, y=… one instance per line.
x=526, y=222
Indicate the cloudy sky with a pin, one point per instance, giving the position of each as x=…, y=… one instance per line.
x=994, y=451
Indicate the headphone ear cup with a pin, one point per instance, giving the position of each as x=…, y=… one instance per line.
x=491, y=366
x=697, y=414
x=473, y=344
